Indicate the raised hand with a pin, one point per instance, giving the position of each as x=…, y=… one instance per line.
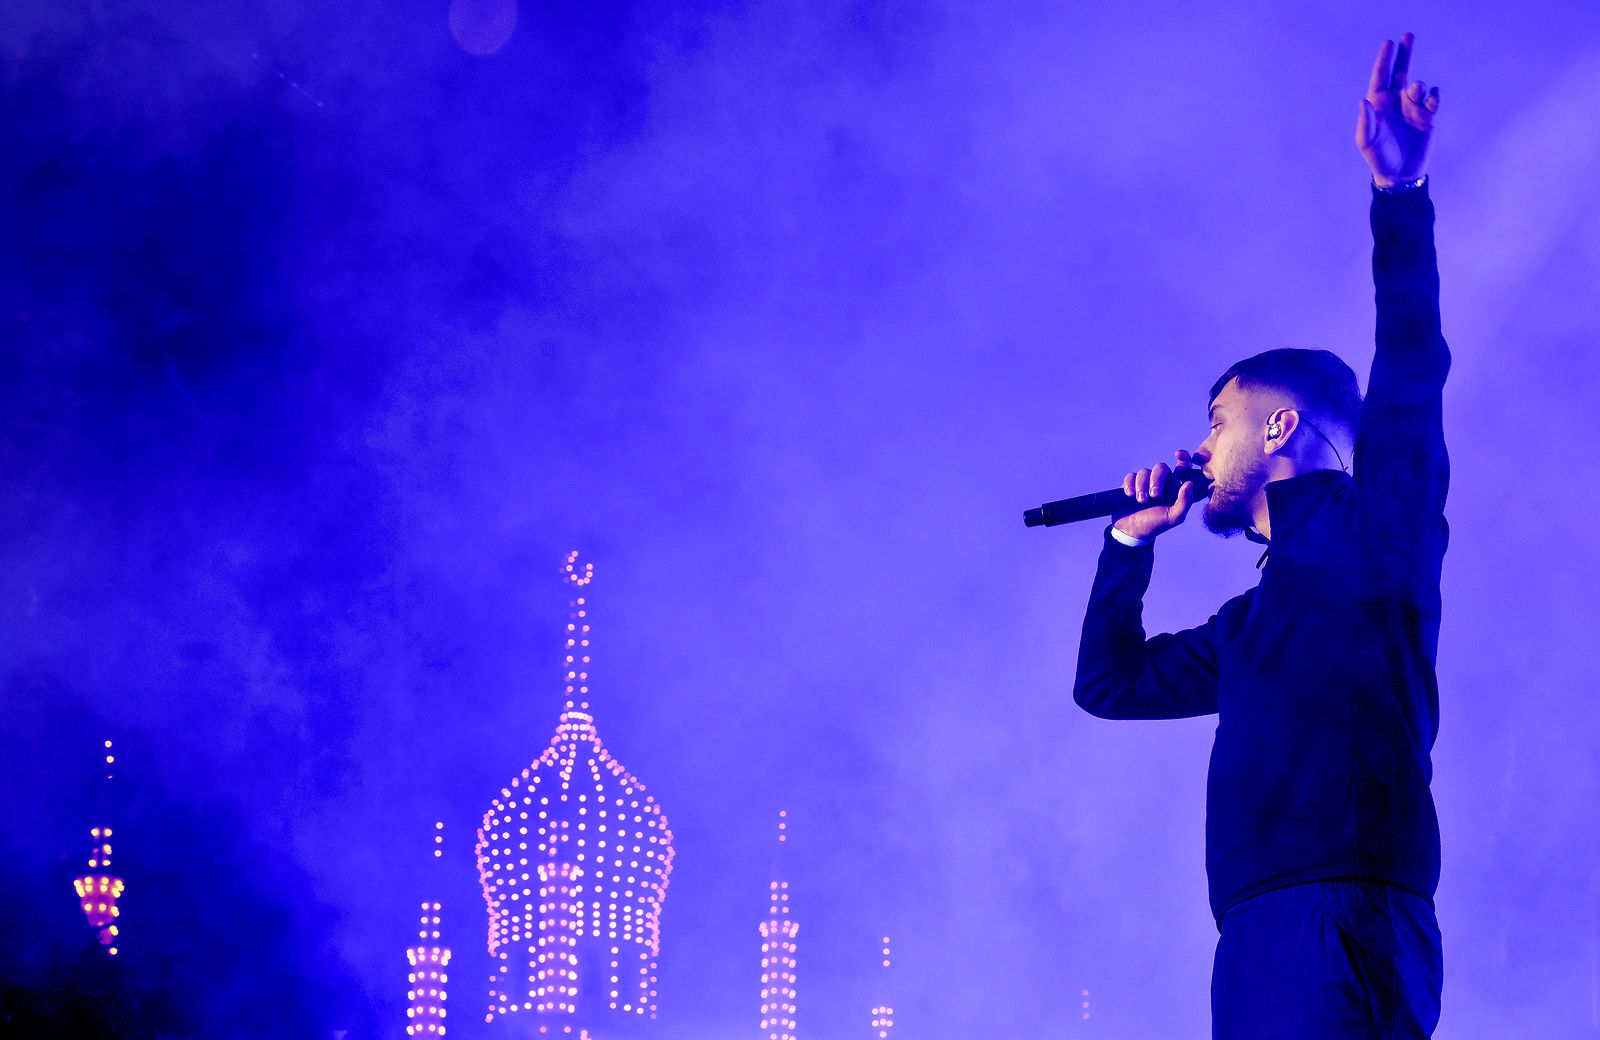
x=1396, y=119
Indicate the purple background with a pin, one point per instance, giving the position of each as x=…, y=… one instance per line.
x=324, y=338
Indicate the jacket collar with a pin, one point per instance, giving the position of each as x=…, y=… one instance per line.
x=1292, y=501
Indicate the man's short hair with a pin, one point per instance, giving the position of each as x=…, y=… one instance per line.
x=1320, y=382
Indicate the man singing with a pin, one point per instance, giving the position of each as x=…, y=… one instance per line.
x=1322, y=846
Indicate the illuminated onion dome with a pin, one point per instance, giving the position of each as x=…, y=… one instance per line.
x=574, y=858
x=99, y=890
x=778, y=963
x=429, y=962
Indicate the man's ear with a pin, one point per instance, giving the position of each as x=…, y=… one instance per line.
x=1280, y=424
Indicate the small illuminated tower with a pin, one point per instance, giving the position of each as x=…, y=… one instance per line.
x=883, y=1014
x=778, y=933
x=574, y=857
x=99, y=890
x=429, y=962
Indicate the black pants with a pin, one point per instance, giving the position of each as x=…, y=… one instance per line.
x=1333, y=960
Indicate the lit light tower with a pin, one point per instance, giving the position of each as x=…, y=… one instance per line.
x=429, y=963
x=883, y=1014
x=778, y=933
x=99, y=890
x=574, y=857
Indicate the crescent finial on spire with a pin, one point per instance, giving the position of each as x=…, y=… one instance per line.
x=576, y=663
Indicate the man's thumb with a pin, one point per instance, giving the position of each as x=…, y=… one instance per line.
x=1185, y=499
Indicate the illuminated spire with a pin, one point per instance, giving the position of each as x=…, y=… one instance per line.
x=574, y=857
x=883, y=1014
x=99, y=890
x=778, y=933
x=429, y=963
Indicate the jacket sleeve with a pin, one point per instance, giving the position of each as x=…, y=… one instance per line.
x=1402, y=471
x=1123, y=675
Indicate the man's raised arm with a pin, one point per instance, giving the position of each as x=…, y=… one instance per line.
x=1402, y=470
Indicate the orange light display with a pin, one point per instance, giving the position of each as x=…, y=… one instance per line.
x=778, y=962
x=98, y=890
x=574, y=858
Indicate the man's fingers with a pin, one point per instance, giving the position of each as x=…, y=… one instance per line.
x=1402, y=64
x=1421, y=102
x=1148, y=484
x=1380, y=69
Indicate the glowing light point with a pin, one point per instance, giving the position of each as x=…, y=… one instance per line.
x=428, y=962
x=778, y=963
x=883, y=1014
x=98, y=890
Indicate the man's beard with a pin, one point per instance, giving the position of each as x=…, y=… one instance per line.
x=1227, y=511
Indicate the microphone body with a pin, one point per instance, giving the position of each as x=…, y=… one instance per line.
x=1116, y=502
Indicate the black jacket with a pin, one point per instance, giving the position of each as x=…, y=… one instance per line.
x=1322, y=676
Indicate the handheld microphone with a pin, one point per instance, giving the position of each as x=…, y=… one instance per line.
x=1116, y=502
